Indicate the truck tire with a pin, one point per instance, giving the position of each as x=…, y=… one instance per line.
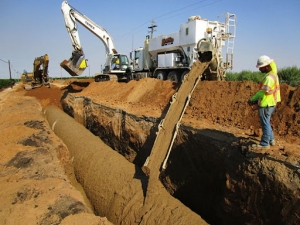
x=172, y=76
x=183, y=74
x=161, y=75
x=128, y=77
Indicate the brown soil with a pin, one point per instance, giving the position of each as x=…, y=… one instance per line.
x=222, y=104
x=37, y=181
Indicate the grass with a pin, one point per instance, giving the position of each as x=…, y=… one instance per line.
x=288, y=75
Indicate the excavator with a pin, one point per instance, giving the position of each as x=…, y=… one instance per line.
x=39, y=76
x=115, y=65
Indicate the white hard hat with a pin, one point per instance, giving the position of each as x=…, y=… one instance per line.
x=263, y=61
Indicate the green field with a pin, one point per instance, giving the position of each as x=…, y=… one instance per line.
x=4, y=83
x=288, y=75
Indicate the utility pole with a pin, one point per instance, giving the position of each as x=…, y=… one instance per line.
x=11, y=85
x=152, y=28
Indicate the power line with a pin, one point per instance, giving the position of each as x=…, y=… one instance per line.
x=171, y=13
x=16, y=71
x=194, y=8
x=181, y=9
x=3, y=60
x=10, y=67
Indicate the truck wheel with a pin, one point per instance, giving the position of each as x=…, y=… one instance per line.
x=172, y=76
x=183, y=74
x=129, y=77
x=161, y=75
x=97, y=79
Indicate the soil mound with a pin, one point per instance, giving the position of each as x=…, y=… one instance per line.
x=222, y=103
x=33, y=177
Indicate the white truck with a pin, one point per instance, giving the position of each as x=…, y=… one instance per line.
x=115, y=65
x=170, y=56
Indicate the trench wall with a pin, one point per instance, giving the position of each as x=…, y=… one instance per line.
x=208, y=170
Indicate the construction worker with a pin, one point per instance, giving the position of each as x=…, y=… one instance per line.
x=115, y=64
x=266, y=97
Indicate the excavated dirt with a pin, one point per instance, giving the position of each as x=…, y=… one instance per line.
x=38, y=183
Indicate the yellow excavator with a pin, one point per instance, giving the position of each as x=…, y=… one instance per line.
x=39, y=76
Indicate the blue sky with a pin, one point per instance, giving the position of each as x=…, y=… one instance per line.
x=33, y=28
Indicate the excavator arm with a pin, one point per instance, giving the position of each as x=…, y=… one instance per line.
x=77, y=63
x=41, y=75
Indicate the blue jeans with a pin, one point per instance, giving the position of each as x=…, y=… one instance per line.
x=265, y=114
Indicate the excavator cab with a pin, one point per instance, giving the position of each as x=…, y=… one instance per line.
x=119, y=62
x=76, y=64
x=116, y=64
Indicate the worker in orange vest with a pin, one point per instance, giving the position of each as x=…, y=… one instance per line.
x=266, y=97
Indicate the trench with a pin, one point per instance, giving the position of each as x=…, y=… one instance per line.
x=211, y=172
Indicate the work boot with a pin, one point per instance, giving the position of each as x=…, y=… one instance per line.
x=261, y=146
x=273, y=142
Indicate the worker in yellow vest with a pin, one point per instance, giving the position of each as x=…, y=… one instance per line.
x=266, y=97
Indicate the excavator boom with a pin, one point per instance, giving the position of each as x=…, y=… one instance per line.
x=77, y=63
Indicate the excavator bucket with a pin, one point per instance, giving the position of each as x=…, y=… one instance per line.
x=68, y=65
x=72, y=70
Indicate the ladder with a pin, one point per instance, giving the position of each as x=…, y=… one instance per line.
x=230, y=30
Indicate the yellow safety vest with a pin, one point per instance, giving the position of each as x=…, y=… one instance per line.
x=270, y=84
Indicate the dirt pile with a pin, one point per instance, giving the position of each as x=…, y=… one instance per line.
x=37, y=180
x=33, y=180
x=222, y=103
x=214, y=106
x=145, y=97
